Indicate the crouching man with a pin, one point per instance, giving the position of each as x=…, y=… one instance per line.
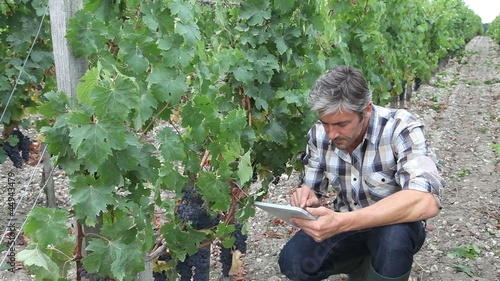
x=385, y=180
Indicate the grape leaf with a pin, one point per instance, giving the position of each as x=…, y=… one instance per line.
x=171, y=146
x=47, y=226
x=55, y=105
x=116, y=100
x=183, y=9
x=86, y=36
x=173, y=85
x=214, y=189
x=182, y=243
x=245, y=169
x=189, y=31
x=255, y=12
x=276, y=132
x=87, y=82
x=38, y=262
x=284, y=6
x=113, y=257
x=170, y=178
x=90, y=196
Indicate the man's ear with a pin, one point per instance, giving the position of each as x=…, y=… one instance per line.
x=369, y=109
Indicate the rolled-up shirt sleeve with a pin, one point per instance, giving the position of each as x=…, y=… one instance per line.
x=416, y=163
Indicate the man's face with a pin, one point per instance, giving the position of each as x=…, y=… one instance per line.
x=346, y=129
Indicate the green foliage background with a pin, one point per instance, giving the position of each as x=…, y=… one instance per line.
x=494, y=29
x=223, y=84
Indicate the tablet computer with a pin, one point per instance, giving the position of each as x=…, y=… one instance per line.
x=285, y=212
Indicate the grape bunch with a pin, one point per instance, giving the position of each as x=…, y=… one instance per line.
x=241, y=239
x=226, y=254
x=20, y=152
x=82, y=272
x=13, y=154
x=196, y=266
x=226, y=259
x=193, y=209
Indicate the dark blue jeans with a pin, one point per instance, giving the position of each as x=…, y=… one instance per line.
x=390, y=248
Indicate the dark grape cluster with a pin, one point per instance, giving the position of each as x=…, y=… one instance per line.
x=241, y=239
x=82, y=272
x=192, y=208
x=20, y=152
x=226, y=259
x=226, y=254
x=196, y=266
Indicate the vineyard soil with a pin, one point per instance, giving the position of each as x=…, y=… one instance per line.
x=460, y=108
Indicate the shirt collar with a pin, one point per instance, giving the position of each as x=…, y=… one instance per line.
x=379, y=114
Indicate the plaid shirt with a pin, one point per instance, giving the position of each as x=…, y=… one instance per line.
x=393, y=156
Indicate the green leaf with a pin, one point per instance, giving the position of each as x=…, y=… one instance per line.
x=156, y=16
x=235, y=122
x=54, y=106
x=190, y=31
x=38, y=262
x=284, y=6
x=175, y=53
x=147, y=103
x=255, y=12
x=87, y=82
x=94, y=142
x=496, y=148
x=215, y=190
x=183, y=9
x=171, y=147
x=116, y=100
x=280, y=44
x=86, y=36
x=47, y=226
x=465, y=251
x=182, y=243
x=90, y=197
x=465, y=269
x=245, y=169
x=173, y=85
x=170, y=178
x=244, y=74
x=113, y=257
x=228, y=242
x=276, y=132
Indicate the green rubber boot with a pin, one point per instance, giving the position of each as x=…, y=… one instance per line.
x=360, y=272
x=372, y=275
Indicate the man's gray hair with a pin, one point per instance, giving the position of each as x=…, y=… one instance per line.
x=342, y=89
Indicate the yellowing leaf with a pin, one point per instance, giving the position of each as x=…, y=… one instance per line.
x=237, y=266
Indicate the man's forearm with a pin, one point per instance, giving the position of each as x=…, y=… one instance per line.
x=403, y=206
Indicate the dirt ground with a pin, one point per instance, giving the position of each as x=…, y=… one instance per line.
x=460, y=109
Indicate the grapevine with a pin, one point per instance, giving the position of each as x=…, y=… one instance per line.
x=494, y=29
x=227, y=85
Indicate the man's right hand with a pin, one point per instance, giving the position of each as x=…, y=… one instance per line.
x=304, y=197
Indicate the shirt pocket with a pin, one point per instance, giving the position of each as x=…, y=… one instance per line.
x=381, y=184
x=333, y=181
